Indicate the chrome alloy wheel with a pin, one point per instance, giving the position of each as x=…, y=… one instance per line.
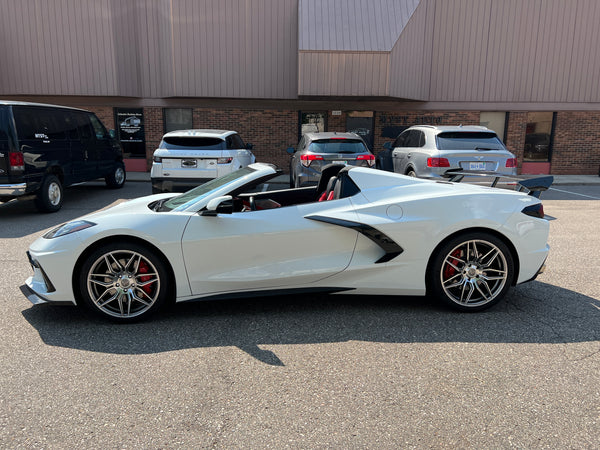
x=123, y=283
x=474, y=273
x=54, y=194
x=119, y=176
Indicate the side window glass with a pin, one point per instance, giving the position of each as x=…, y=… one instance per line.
x=53, y=124
x=26, y=122
x=401, y=139
x=99, y=130
x=237, y=142
x=422, y=139
x=413, y=139
x=71, y=126
x=83, y=126
x=229, y=143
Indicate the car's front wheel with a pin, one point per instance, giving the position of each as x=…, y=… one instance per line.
x=116, y=179
x=471, y=272
x=123, y=282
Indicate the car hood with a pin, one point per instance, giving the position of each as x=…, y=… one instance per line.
x=135, y=206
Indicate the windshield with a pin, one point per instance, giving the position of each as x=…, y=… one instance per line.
x=184, y=201
x=192, y=143
x=462, y=140
x=338, y=146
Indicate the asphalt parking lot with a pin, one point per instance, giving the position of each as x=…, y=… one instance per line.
x=308, y=370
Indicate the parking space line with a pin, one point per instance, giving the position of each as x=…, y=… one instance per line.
x=574, y=193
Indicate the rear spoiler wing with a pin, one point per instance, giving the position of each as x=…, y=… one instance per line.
x=534, y=186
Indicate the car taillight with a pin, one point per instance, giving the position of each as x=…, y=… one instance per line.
x=511, y=162
x=305, y=160
x=157, y=159
x=534, y=211
x=224, y=160
x=16, y=161
x=370, y=159
x=438, y=162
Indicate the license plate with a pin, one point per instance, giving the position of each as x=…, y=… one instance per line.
x=477, y=166
x=341, y=162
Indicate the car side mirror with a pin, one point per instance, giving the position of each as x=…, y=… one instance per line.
x=219, y=205
x=112, y=133
x=290, y=150
x=387, y=145
x=249, y=146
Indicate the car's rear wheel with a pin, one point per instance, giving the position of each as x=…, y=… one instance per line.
x=116, y=179
x=471, y=272
x=411, y=173
x=50, y=195
x=123, y=282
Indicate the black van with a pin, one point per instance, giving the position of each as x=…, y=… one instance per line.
x=44, y=148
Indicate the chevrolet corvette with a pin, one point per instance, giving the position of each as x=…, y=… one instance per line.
x=359, y=231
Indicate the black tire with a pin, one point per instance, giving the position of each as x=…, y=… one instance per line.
x=113, y=283
x=156, y=190
x=411, y=173
x=471, y=272
x=116, y=179
x=50, y=195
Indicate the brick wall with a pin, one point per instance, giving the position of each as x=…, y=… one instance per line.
x=269, y=131
x=576, y=147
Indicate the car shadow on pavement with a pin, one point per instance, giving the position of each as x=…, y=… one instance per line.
x=532, y=313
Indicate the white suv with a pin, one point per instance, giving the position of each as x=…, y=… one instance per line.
x=186, y=158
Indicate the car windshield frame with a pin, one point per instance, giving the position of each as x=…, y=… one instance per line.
x=468, y=140
x=341, y=146
x=197, y=198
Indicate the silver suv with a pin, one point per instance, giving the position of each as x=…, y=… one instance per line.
x=186, y=158
x=316, y=150
x=427, y=151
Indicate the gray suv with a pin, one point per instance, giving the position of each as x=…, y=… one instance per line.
x=316, y=150
x=427, y=151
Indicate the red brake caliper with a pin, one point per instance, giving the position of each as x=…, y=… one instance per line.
x=143, y=268
x=449, y=271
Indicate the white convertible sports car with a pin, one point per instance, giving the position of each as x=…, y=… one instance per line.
x=359, y=231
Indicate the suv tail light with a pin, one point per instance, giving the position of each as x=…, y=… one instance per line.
x=370, y=159
x=305, y=160
x=534, y=211
x=224, y=160
x=16, y=161
x=438, y=162
x=511, y=162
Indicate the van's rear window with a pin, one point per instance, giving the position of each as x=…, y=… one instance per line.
x=192, y=143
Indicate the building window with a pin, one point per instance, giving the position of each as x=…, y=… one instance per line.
x=178, y=119
x=312, y=122
x=495, y=121
x=361, y=123
x=538, y=137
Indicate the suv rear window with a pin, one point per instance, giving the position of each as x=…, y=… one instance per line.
x=192, y=143
x=468, y=140
x=338, y=146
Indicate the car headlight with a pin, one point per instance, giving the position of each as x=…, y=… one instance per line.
x=68, y=228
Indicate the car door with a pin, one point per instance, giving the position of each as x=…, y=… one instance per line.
x=84, y=149
x=105, y=155
x=399, y=152
x=268, y=249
